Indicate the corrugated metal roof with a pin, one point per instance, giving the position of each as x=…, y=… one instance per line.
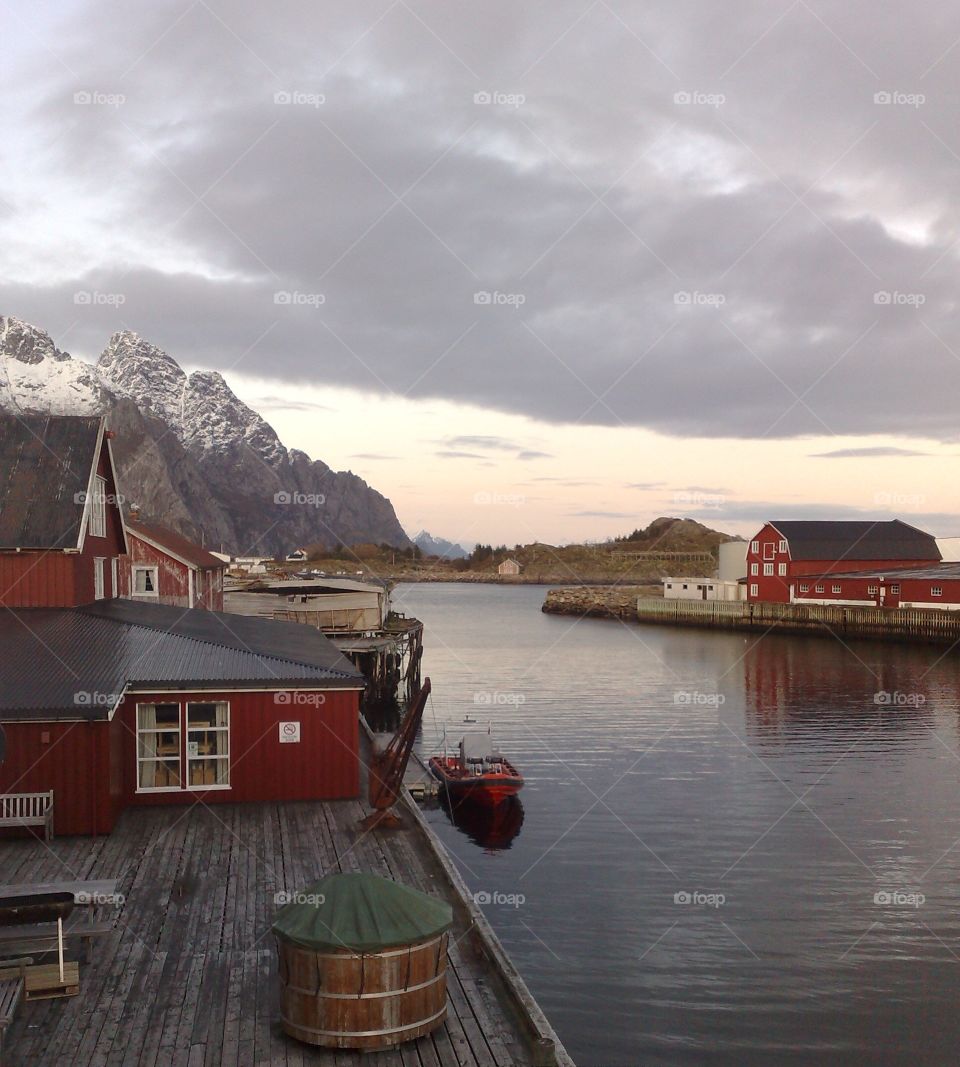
x=948, y=571
x=76, y=662
x=856, y=539
x=45, y=467
x=176, y=544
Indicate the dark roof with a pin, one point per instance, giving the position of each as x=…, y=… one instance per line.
x=45, y=467
x=74, y=663
x=943, y=571
x=856, y=539
x=176, y=544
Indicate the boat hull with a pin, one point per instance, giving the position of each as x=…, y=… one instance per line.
x=488, y=788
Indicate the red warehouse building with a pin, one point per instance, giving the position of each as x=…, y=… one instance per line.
x=166, y=568
x=120, y=703
x=784, y=552
x=62, y=540
x=912, y=587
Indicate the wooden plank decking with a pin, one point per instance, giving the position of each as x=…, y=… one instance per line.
x=188, y=977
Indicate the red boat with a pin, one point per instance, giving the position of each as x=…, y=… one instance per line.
x=477, y=772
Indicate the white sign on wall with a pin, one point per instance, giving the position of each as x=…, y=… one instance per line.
x=289, y=733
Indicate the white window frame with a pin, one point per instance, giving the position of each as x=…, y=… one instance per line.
x=782, y=570
x=820, y=588
x=768, y=570
x=134, y=592
x=769, y=550
x=98, y=508
x=782, y=545
x=754, y=546
x=99, y=576
x=115, y=576
x=754, y=568
x=167, y=757
x=754, y=590
x=836, y=588
x=894, y=590
x=804, y=587
x=873, y=590
x=936, y=590
x=192, y=759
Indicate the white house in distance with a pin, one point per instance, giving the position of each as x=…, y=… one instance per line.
x=509, y=568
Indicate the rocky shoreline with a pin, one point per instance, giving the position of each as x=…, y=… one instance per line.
x=600, y=602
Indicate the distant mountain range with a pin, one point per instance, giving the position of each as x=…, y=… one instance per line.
x=437, y=546
x=190, y=452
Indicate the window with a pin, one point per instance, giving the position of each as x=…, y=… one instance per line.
x=164, y=763
x=836, y=588
x=768, y=570
x=98, y=508
x=782, y=545
x=804, y=587
x=894, y=590
x=145, y=581
x=115, y=576
x=754, y=590
x=98, y=578
x=936, y=590
x=769, y=550
x=873, y=590
x=782, y=570
x=158, y=746
x=754, y=546
x=208, y=744
x=820, y=589
x=754, y=568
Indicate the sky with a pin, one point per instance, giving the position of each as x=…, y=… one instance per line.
x=537, y=271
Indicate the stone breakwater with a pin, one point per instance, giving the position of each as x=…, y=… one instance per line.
x=601, y=602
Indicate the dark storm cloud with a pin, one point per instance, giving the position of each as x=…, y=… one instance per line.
x=878, y=452
x=706, y=219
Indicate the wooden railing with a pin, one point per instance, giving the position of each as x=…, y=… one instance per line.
x=28, y=809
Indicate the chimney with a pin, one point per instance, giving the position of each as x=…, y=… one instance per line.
x=134, y=513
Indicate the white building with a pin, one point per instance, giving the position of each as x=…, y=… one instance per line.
x=703, y=589
x=732, y=560
x=509, y=568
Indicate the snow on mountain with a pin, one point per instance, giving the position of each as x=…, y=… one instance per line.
x=438, y=546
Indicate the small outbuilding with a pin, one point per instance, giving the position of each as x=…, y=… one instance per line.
x=510, y=568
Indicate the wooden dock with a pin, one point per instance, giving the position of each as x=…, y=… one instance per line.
x=188, y=975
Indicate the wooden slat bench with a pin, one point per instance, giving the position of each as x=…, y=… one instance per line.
x=28, y=809
x=11, y=992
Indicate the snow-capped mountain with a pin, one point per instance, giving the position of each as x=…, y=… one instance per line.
x=438, y=546
x=189, y=451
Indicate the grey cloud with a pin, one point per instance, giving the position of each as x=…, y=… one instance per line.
x=701, y=297
x=533, y=454
x=878, y=452
x=448, y=454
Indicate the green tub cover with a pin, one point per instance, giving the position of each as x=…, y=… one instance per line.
x=361, y=912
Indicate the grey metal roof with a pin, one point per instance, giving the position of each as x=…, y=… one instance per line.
x=948, y=571
x=45, y=467
x=74, y=663
x=856, y=539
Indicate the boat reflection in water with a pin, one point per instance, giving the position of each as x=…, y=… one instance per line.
x=492, y=827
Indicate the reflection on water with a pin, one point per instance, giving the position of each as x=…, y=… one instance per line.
x=734, y=851
x=491, y=827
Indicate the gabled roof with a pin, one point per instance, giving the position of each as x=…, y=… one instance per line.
x=169, y=541
x=856, y=539
x=75, y=663
x=46, y=466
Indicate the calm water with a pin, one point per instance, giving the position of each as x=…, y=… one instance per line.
x=763, y=780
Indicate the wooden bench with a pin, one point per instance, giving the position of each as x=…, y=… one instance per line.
x=11, y=991
x=28, y=809
x=90, y=897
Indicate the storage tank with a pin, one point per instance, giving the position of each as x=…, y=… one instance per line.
x=362, y=962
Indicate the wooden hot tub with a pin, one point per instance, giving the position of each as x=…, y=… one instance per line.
x=362, y=962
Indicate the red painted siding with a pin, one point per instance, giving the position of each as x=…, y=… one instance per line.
x=70, y=758
x=911, y=590
x=173, y=579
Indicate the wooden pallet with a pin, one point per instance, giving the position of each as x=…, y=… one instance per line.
x=43, y=982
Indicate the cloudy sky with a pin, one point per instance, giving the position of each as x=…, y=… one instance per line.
x=537, y=269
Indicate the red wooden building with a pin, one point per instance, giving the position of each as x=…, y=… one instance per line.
x=166, y=568
x=909, y=587
x=61, y=534
x=112, y=702
x=784, y=553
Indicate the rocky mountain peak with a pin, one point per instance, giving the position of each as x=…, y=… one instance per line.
x=145, y=373
x=23, y=342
